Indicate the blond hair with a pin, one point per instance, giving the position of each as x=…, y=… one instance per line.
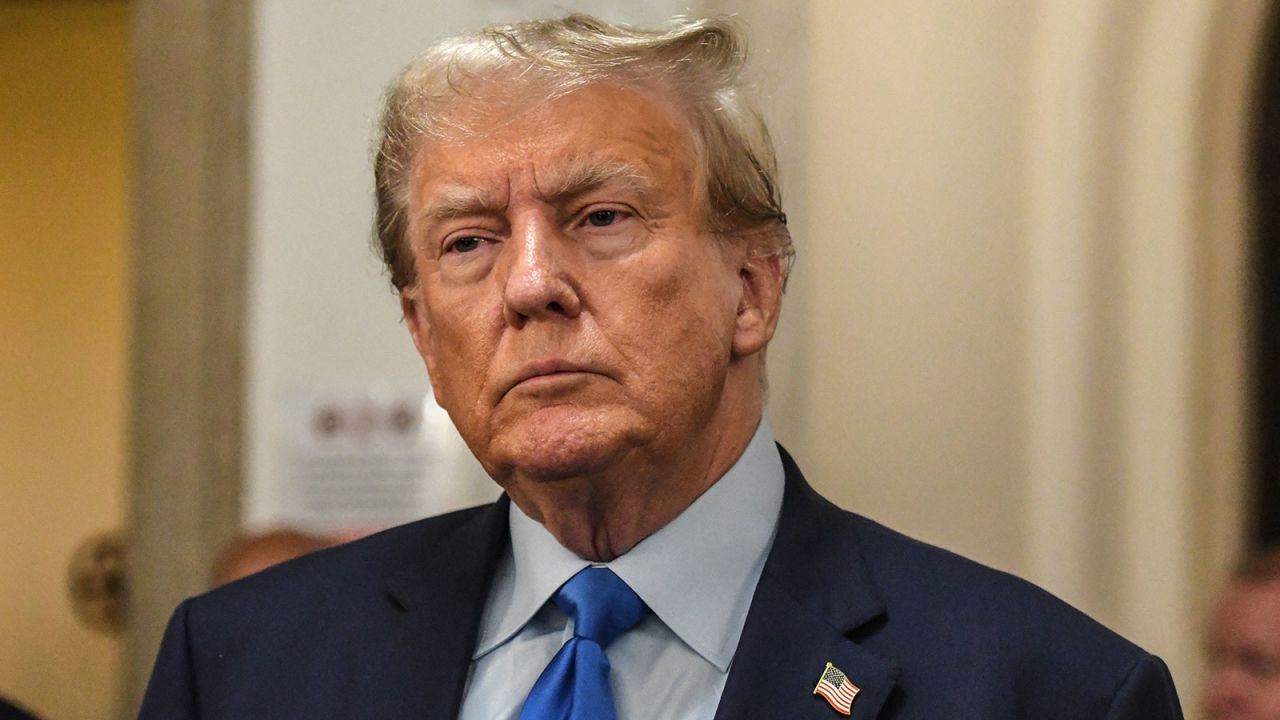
x=697, y=62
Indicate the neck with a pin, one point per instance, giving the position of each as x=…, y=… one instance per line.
x=605, y=514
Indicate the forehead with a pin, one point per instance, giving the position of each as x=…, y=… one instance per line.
x=601, y=128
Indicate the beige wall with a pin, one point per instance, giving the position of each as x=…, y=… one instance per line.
x=910, y=268
x=63, y=323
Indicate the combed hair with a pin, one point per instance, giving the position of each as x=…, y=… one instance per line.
x=696, y=63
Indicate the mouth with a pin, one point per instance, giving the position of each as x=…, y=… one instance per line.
x=546, y=372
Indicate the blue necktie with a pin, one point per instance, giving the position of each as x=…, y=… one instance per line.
x=575, y=685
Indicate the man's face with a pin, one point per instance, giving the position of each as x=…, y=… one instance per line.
x=1244, y=645
x=571, y=308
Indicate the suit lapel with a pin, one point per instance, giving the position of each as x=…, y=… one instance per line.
x=814, y=593
x=424, y=648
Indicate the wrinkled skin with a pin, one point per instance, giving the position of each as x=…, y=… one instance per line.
x=1244, y=649
x=597, y=348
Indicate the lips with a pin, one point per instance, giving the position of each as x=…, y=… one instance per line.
x=544, y=368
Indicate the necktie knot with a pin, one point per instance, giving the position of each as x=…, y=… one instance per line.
x=575, y=685
x=601, y=604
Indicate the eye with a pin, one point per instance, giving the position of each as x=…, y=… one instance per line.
x=602, y=218
x=465, y=244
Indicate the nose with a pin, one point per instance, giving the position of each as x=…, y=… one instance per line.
x=539, y=283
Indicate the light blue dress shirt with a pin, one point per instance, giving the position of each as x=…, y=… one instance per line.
x=697, y=574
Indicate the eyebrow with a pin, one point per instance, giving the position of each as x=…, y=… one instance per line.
x=578, y=177
x=583, y=175
x=459, y=201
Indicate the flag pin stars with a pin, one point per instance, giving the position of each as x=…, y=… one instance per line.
x=837, y=689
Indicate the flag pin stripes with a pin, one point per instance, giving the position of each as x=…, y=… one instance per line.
x=837, y=689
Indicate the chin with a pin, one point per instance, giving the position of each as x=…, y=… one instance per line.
x=547, y=447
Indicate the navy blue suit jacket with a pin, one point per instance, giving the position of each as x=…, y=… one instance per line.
x=384, y=628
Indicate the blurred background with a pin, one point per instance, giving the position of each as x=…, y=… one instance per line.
x=1032, y=317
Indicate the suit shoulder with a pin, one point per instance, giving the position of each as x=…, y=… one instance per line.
x=917, y=577
x=335, y=571
x=973, y=624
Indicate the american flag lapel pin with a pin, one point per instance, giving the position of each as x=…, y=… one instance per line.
x=837, y=689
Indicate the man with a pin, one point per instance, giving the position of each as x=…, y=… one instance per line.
x=583, y=225
x=1244, y=644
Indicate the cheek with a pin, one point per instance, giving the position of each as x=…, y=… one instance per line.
x=680, y=326
x=705, y=297
x=461, y=346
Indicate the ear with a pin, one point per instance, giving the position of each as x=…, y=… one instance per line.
x=760, y=303
x=415, y=316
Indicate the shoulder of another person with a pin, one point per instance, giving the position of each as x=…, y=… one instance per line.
x=333, y=576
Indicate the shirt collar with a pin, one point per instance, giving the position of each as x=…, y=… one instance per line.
x=697, y=573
